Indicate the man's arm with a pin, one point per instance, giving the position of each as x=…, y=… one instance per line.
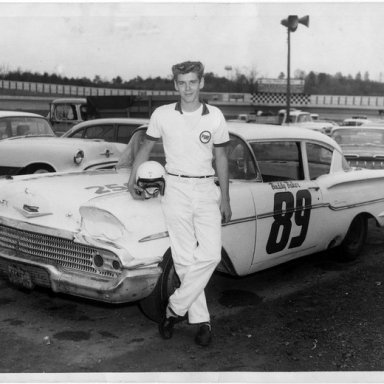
x=141, y=157
x=222, y=174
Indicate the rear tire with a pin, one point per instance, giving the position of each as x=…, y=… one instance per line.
x=354, y=240
x=153, y=306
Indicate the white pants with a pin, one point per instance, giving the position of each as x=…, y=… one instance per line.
x=192, y=214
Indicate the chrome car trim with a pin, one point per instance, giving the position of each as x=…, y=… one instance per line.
x=53, y=250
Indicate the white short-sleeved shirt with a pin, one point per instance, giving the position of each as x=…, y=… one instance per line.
x=188, y=139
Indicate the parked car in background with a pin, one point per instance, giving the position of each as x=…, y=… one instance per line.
x=29, y=145
x=66, y=112
x=113, y=130
x=363, y=146
x=355, y=121
x=290, y=197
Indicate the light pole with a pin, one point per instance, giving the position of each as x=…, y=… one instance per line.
x=228, y=68
x=291, y=23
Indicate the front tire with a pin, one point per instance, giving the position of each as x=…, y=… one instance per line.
x=354, y=240
x=154, y=305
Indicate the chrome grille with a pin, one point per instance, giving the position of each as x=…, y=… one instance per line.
x=51, y=250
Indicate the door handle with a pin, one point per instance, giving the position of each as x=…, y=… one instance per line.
x=314, y=188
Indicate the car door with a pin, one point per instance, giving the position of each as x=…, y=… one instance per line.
x=239, y=234
x=289, y=202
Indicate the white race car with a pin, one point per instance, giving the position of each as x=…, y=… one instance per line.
x=28, y=145
x=292, y=194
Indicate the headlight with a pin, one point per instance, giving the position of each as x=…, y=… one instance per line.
x=105, y=261
x=78, y=158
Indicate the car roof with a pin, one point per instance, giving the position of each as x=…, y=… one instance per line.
x=358, y=119
x=111, y=120
x=18, y=114
x=251, y=131
x=363, y=127
x=74, y=100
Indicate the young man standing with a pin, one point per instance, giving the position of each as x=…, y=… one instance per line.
x=193, y=206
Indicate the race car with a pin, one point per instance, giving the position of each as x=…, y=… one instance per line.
x=83, y=234
x=363, y=145
x=28, y=145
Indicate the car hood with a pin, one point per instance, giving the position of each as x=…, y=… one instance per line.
x=55, y=196
x=92, y=208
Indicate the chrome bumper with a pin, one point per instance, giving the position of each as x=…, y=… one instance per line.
x=130, y=286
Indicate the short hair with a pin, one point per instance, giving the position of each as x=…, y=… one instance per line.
x=187, y=67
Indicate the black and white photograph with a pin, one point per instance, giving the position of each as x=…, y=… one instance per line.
x=191, y=191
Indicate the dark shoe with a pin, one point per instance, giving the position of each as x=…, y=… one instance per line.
x=166, y=327
x=204, y=335
x=167, y=323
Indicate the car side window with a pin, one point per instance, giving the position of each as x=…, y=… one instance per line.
x=124, y=132
x=65, y=112
x=279, y=160
x=4, y=131
x=78, y=134
x=104, y=132
x=319, y=160
x=241, y=165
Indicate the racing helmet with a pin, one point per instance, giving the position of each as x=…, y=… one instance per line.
x=150, y=177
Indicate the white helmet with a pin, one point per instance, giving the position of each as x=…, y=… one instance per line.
x=150, y=177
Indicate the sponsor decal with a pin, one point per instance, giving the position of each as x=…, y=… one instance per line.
x=205, y=137
x=284, y=185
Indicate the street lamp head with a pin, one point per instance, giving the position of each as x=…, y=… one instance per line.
x=293, y=21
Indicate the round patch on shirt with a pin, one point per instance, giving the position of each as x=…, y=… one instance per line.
x=205, y=137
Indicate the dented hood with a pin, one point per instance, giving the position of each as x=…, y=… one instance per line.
x=54, y=199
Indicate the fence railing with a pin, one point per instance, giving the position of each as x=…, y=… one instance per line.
x=271, y=99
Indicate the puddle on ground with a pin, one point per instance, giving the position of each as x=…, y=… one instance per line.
x=13, y=321
x=108, y=335
x=139, y=340
x=72, y=335
x=64, y=308
x=4, y=301
x=239, y=298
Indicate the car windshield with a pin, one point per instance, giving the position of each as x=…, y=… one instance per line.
x=359, y=137
x=24, y=126
x=304, y=118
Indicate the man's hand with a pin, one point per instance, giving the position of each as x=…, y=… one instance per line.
x=136, y=192
x=226, y=212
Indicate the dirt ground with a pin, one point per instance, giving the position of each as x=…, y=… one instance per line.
x=331, y=325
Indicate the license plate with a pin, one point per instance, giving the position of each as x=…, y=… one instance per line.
x=19, y=277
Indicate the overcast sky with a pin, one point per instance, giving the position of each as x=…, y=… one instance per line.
x=130, y=39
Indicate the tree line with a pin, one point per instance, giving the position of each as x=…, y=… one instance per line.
x=237, y=82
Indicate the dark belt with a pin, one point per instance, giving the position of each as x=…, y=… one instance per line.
x=190, y=177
